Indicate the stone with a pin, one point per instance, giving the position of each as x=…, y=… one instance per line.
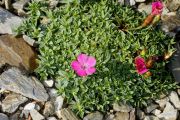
x=49, y=109
x=121, y=2
x=175, y=99
x=110, y=117
x=67, y=114
x=178, y=91
x=14, y=80
x=48, y=83
x=151, y=108
x=140, y=114
x=122, y=107
x=144, y=7
x=121, y=116
x=173, y=5
x=29, y=40
x=169, y=113
x=30, y=106
x=162, y=102
x=94, y=116
x=132, y=2
x=11, y=103
x=3, y=116
x=58, y=103
x=140, y=0
x=7, y=4
x=156, y=112
x=8, y=22
x=16, y=52
x=53, y=3
x=132, y=115
x=15, y=116
x=36, y=115
x=20, y=4
x=151, y=118
x=52, y=93
x=51, y=118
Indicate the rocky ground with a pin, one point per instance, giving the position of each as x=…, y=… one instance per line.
x=24, y=97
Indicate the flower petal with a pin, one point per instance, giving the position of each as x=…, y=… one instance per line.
x=90, y=71
x=75, y=65
x=142, y=71
x=81, y=72
x=91, y=62
x=82, y=58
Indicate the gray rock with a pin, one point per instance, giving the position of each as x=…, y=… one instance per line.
x=140, y=0
x=67, y=114
x=110, y=117
x=121, y=116
x=29, y=106
x=20, y=4
x=169, y=113
x=140, y=114
x=3, y=116
x=121, y=2
x=49, y=109
x=29, y=40
x=122, y=107
x=15, y=116
x=58, y=103
x=162, y=102
x=52, y=93
x=36, y=115
x=14, y=80
x=7, y=4
x=48, y=83
x=173, y=5
x=151, y=118
x=151, y=108
x=175, y=99
x=156, y=112
x=8, y=22
x=178, y=91
x=51, y=118
x=94, y=116
x=53, y=3
x=144, y=7
x=11, y=103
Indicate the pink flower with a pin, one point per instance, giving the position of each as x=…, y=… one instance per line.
x=140, y=65
x=157, y=8
x=84, y=65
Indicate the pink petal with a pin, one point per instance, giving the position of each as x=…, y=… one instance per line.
x=82, y=58
x=81, y=72
x=91, y=62
x=143, y=71
x=75, y=65
x=90, y=71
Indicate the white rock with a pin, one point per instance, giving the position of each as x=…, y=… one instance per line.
x=156, y=112
x=51, y=118
x=175, y=99
x=121, y=2
x=151, y=108
x=58, y=103
x=132, y=2
x=144, y=7
x=178, y=91
x=48, y=83
x=122, y=107
x=162, y=102
x=29, y=40
x=140, y=114
x=29, y=106
x=140, y=0
x=151, y=118
x=36, y=115
x=169, y=113
x=3, y=116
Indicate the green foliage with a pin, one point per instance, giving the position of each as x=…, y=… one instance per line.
x=95, y=28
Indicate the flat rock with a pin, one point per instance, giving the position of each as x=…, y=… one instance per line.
x=48, y=83
x=151, y=118
x=36, y=115
x=140, y=114
x=173, y=5
x=3, y=116
x=51, y=118
x=29, y=40
x=169, y=113
x=156, y=112
x=11, y=103
x=175, y=99
x=94, y=116
x=162, y=102
x=8, y=22
x=58, y=103
x=14, y=80
x=121, y=116
x=140, y=0
x=16, y=52
x=122, y=107
x=15, y=116
x=151, y=108
x=20, y=4
x=67, y=114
